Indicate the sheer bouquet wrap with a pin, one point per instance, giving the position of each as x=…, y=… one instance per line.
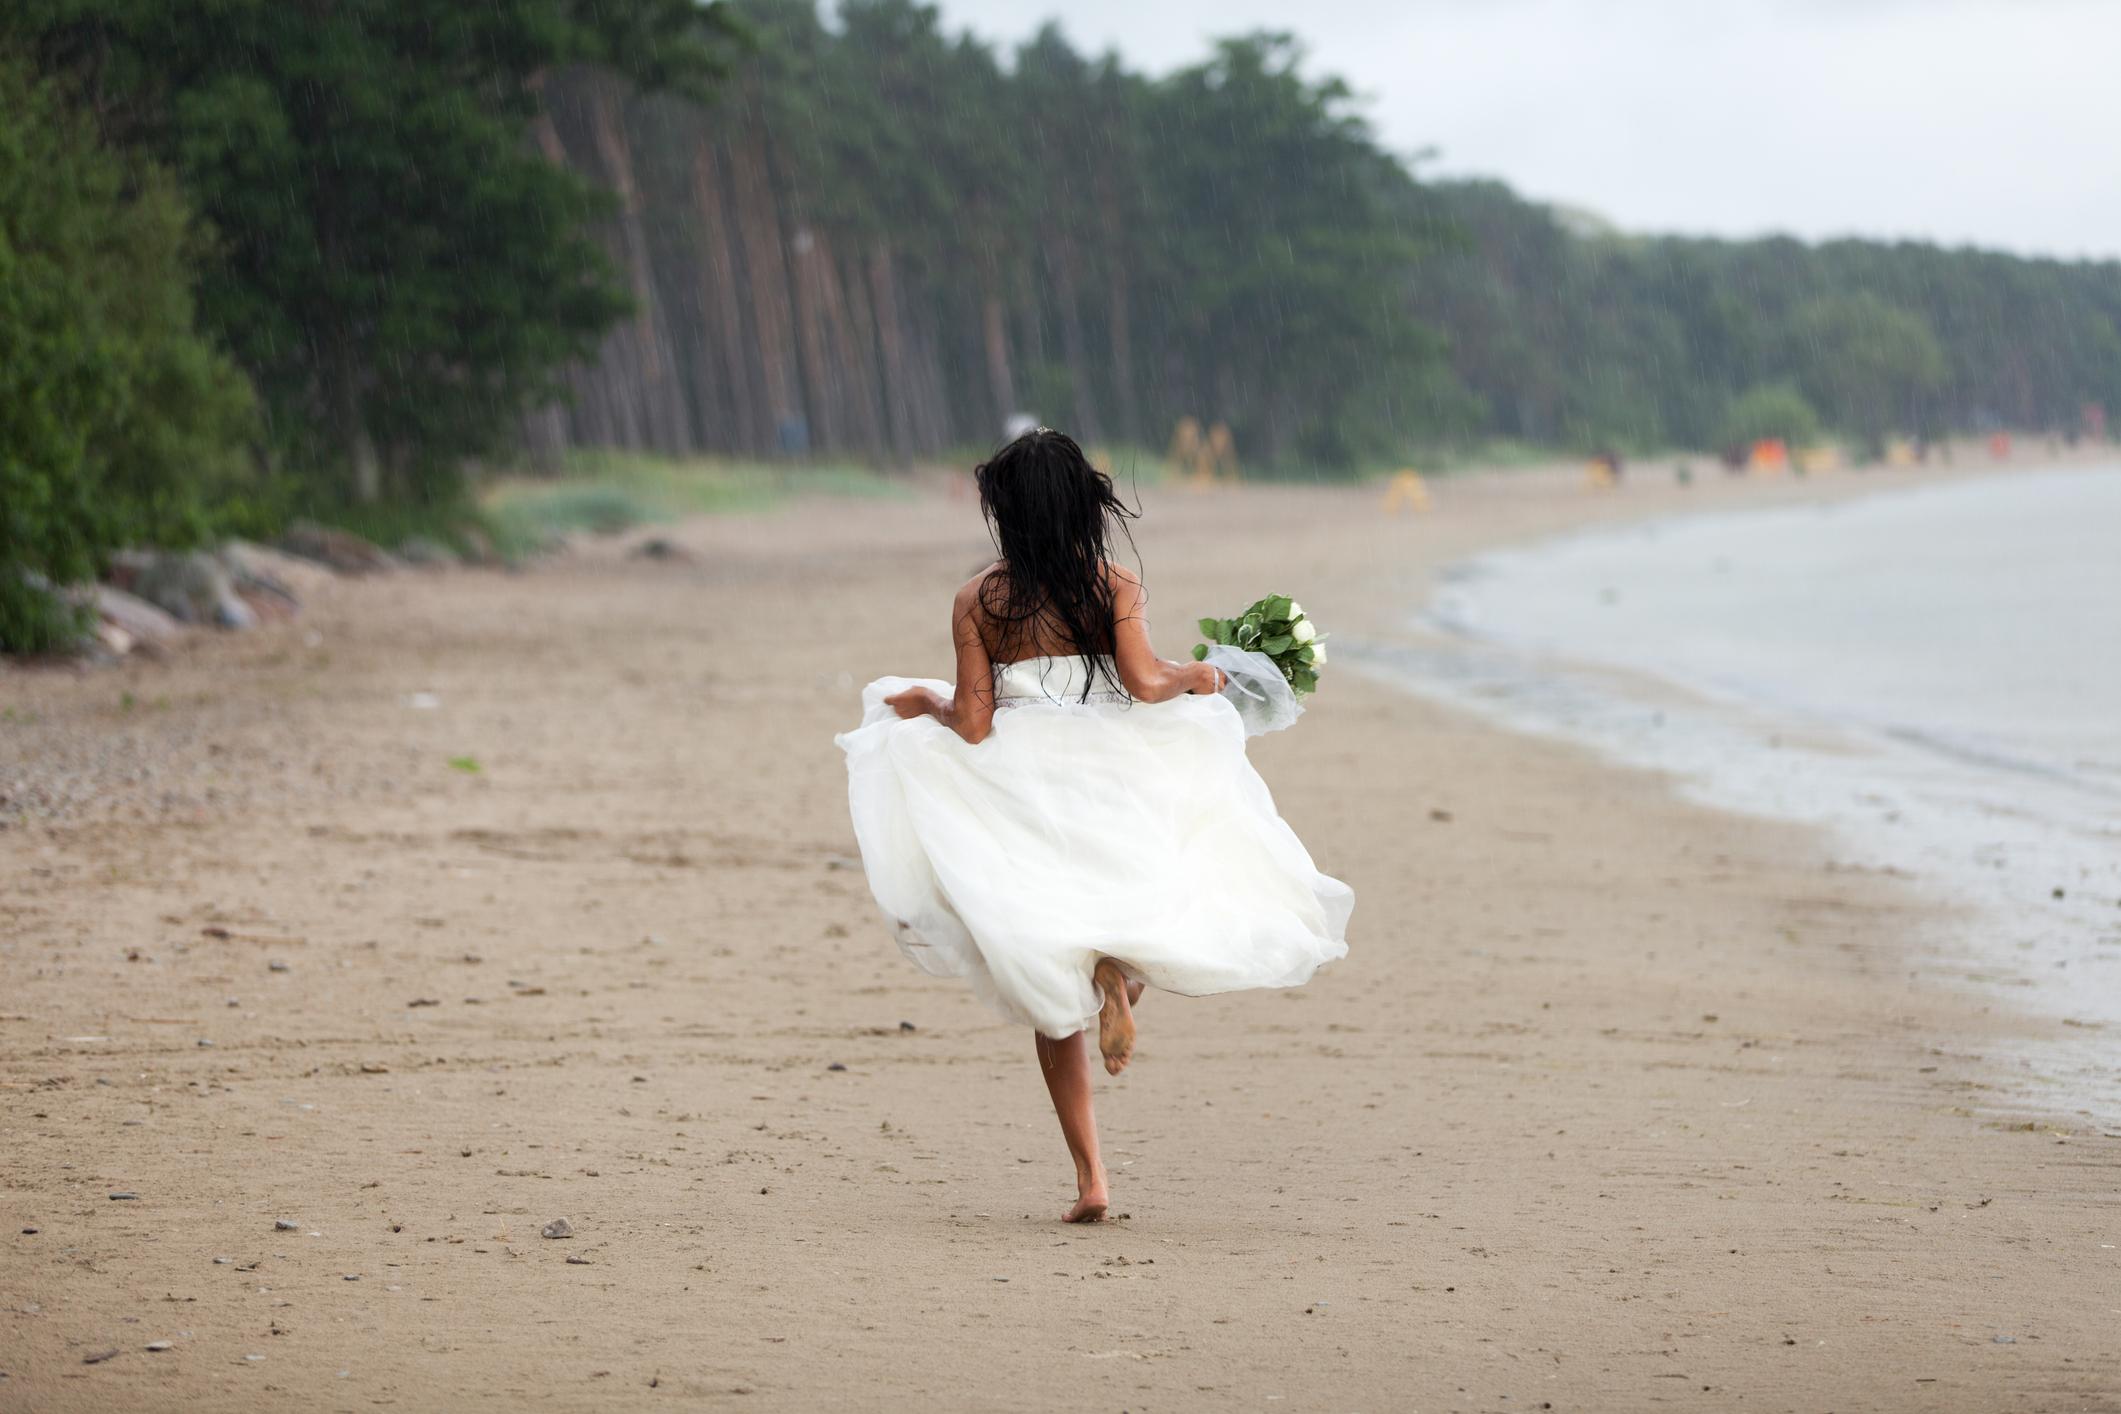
x=1271, y=654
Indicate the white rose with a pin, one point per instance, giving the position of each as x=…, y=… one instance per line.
x=1318, y=655
x=1296, y=610
x=1303, y=632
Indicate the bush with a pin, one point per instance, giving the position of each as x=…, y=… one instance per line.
x=118, y=424
x=1774, y=410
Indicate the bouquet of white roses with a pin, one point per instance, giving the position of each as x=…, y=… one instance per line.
x=1270, y=656
x=1278, y=629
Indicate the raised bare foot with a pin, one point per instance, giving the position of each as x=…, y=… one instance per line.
x=1115, y=1016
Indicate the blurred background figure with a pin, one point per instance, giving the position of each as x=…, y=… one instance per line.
x=1406, y=491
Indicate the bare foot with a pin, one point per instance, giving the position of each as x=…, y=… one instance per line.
x=1090, y=1206
x=1115, y=1017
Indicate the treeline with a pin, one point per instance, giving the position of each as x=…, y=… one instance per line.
x=1590, y=337
x=311, y=242
x=881, y=240
x=258, y=257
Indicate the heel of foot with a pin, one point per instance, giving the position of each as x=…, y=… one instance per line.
x=1115, y=1018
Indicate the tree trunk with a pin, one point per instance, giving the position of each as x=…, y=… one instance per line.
x=899, y=394
x=1117, y=324
x=853, y=350
x=994, y=332
x=1066, y=283
x=758, y=219
x=647, y=388
x=728, y=379
x=819, y=373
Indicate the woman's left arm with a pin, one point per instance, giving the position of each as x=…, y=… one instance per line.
x=970, y=709
x=1147, y=677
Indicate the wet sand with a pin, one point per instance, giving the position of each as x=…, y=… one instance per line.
x=1617, y=1103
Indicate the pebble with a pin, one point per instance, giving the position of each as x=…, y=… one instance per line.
x=220, y=1261
x=160, y=1344
x=906, y=1026
x=835, y=1066
x=29, y=1232
x=578, y=1262
x=100, y=1356
x=122, y=1197
x=353, y=1276
x=558, y=1227
x=277, y=966
x=283, y=1225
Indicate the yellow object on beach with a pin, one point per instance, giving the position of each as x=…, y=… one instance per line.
x=1202, y=458
x=1406, y=491
x=1814, y=460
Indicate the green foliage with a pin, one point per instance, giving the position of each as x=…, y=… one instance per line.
x=398, y=266
x=1872, y=366
x=1277, y=628
x=118, y=422
x=606, y=492
x=1773, y=410
x=1580, y=337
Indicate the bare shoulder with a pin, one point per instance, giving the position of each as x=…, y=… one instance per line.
x=1127, y=591
x=970, y=600
x=968, y=593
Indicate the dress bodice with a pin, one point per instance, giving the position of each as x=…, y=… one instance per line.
x=1051, y=678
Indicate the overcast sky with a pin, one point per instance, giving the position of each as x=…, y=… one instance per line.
x=1983, y=122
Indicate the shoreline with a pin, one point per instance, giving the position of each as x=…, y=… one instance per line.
x=1617, y=1100
x=1779, y=755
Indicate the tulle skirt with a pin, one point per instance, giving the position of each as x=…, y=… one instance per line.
x=1084, y=830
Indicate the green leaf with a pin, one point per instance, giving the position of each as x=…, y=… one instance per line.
x=1276, y=645
x=1209, y=628
x=1278, y=607
x=467, y=764
x=1200, y=651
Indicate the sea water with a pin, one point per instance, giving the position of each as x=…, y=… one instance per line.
x=1934, y=675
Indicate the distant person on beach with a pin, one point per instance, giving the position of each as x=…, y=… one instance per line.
x=1075, y=819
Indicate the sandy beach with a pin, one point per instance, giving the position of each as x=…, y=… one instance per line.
x=471, y=901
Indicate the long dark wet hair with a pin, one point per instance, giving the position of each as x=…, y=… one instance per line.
x=1052, y=515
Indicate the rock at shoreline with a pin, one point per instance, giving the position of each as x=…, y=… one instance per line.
x=260, y=570
x=336, y=549
x=191, y=586
x=144, y=625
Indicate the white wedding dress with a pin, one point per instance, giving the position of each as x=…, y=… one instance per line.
x=1078, y=830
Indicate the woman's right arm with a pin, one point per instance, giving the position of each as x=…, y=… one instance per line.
x=1147, y=677
x=969, y=711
